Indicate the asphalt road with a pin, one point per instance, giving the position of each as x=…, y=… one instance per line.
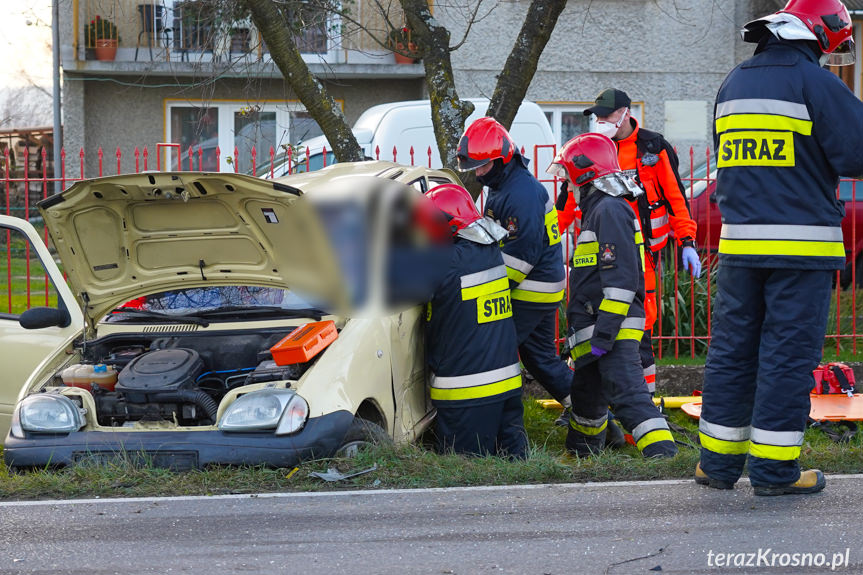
x=644, y=527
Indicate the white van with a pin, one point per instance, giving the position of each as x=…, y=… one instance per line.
x=402, y=125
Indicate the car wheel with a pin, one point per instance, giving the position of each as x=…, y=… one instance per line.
x=362, y=434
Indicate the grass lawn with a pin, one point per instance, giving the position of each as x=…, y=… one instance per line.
x=407, y=467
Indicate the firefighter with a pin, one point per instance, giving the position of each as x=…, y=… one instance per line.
x=531, y=249
x=785, y=129
x=606, y=304
x=651, y=160
x=470, y=338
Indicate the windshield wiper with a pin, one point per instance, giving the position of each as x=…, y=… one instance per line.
x=140, y=313
x=240, y=310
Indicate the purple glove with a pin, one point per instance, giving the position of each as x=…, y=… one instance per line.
x=691, y=261
x=597, y=351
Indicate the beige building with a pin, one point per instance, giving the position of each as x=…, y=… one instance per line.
x=186, y=74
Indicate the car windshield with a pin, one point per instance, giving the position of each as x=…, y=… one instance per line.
x=214, y=300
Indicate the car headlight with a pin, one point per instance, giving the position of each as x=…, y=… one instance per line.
x=279, y=409
x=46, y=413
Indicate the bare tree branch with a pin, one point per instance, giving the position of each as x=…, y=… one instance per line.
x=520, y=67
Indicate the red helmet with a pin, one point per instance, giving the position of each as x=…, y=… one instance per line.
x=483, y=141
x=827, y=22
x=456, y=204
x=585, y=158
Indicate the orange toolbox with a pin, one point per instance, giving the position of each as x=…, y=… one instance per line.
x=305, y=342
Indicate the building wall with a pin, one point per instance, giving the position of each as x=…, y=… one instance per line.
x=93, y=121
x=670, y=56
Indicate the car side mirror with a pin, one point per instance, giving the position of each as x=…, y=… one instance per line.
x=39, y=317
x=712, y=197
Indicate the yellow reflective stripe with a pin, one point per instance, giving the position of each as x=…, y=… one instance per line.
x=537, y=297
x=781, y=248
x=586, y=430
x=775, y=452
x=493, y=307
x=652, y=437
x=611, y=306
x=476, y=392
x=584, y=261
x=639, y=239
x=763, y=122
x=635, y=334
x=723, y=446
x=587, y=248
x=487, y=288
x=551, y=224
x=580, y=350
x=515, y=275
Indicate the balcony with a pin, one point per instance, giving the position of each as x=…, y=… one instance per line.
x=193, y=37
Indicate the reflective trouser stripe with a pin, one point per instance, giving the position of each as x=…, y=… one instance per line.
x=654, y=437
x=539, y=291
x=476, y=392
x=615, y=307
x=777, y=445
x=588, y=426
x=781, y=240
x=516, y=269
x=650, y=377
x=651, y=431
x=723, y=439
x=477, y=385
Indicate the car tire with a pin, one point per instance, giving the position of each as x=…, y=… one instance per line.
x=362, y=434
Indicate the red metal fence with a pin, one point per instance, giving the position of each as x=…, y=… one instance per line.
x=684, y=324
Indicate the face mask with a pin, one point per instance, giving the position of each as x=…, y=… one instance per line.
x=609, y=129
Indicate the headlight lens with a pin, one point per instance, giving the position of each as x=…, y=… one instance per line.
x=279, y=409
x=44, y=413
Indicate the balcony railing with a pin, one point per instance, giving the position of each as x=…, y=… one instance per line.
x=205, y=30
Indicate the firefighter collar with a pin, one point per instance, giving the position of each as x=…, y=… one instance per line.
x=483, y=231
x=618, y=184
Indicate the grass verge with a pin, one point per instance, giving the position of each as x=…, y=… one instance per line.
x=412, y=466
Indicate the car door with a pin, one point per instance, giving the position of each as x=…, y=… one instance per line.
x=28, y=278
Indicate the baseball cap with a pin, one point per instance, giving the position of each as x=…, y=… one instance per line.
x=609, y=101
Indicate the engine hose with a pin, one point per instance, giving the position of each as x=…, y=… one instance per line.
x=200, y=398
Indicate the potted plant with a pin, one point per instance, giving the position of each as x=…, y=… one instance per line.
x=404, y=48
x=103, y=37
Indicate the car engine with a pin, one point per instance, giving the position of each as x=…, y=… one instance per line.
x=178, y=379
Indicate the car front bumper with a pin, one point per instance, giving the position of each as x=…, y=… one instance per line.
x=180, y=450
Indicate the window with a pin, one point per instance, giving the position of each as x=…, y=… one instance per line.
x=222, y=135
x=568, y=120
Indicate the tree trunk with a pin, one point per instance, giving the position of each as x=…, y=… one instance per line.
x=314, y=96
x=448, y=112
x=514, y=79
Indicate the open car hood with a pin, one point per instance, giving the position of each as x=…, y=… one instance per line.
x=120, y=237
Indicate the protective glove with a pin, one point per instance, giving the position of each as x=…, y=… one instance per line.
x=560, y=204
x=691, y=261
x=597, y=351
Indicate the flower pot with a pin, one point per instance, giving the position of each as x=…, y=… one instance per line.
x=401, y=58
x=106, y=48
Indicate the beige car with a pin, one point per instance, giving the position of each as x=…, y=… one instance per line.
x=179, y=286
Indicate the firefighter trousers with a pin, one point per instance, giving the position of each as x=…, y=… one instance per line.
x=495, y=428
x=536, y=330
x=768, y=331
x=616, y=380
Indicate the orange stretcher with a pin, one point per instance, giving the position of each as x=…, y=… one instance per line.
x=825, y=407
